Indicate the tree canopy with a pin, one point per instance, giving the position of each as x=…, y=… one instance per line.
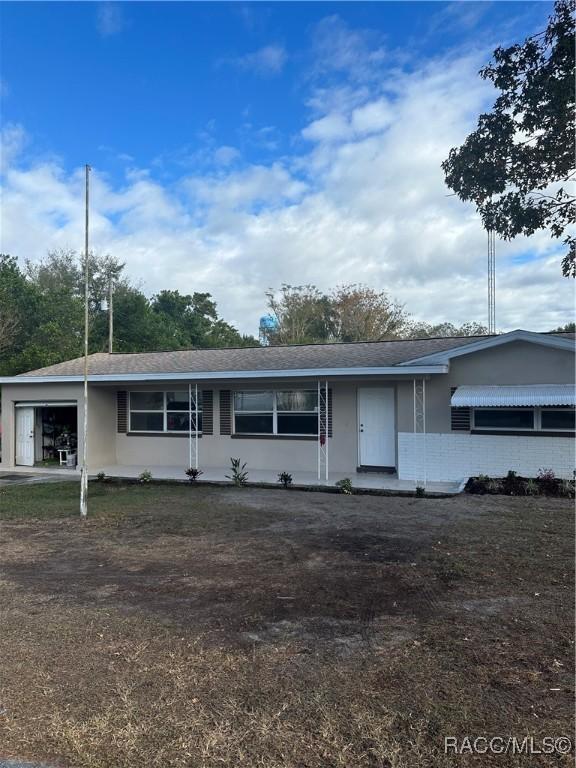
x=304, y=315
x=518, y=162
x=42, y=313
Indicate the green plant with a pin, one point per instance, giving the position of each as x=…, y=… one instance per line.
x=345, y=486
x=193, y=473
x=420, y=491
x=101, y=477
x=532, y=488
x=285, y=478
x=494, y=486
x=478, y=484
x=512, y=485
x=547, y=482
x=567, y=489
x=145, y=477
x=239, y=474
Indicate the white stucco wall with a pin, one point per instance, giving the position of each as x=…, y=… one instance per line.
x=457, y=456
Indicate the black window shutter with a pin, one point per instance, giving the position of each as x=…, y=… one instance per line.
x=329, y=413
x=459, y=417
x=207, y=412
x=225, y=412
x=122, y=411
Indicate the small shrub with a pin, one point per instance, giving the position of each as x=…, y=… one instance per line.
x=567, y=489
x=193, y=473
x=532, y=488
x=145, y=477
x=239, y=474
x=345, y=486
x=494, y=486
x=101, y=476
x=420, y=491
x=478, y=484
x=547, y=482
x=512, y=485
x=285, y=478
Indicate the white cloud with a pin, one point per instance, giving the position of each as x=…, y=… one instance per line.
x=269, y=60
x=110, y=19
x=12, y=141
x=365, y=201
x=338, y=48
x=372, y=117
x=225, y=155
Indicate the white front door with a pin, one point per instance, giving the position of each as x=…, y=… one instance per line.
x=25, y=436
x=376, y=429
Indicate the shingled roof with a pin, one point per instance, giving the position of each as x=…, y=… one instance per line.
x=366, y=354
x=281, y=358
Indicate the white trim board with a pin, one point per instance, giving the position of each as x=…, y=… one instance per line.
x=556, y=342
x=297, y=373
x=45, y=404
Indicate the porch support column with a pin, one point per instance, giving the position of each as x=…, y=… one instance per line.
x=323, y=430
x=420, y=429
x=196, y=425
x=193, y=438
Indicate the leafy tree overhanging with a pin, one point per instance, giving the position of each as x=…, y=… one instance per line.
x=518, y=165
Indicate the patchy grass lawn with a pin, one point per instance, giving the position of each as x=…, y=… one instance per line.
x=196, y=626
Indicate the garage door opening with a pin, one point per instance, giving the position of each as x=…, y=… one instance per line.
x=46, y=434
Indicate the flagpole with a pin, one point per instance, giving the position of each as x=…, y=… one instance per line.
x=84, y=471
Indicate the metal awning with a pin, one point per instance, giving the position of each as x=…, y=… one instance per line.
x=509, y=396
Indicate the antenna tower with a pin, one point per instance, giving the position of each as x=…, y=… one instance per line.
x=491, y=281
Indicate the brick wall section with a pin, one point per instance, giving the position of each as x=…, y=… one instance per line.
x=455, y=457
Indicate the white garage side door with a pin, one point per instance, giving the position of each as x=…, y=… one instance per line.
x=25, y=436
x=376, y=431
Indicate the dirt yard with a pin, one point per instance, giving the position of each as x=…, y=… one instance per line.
x=203, y=627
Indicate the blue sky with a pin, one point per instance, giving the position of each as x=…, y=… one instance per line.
x=237, y=146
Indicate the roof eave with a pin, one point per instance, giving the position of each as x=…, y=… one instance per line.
x=296, y=373
x=544, y=340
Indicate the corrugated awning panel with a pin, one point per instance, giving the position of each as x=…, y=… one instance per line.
x=514, y=396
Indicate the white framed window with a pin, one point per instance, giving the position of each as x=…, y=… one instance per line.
x=268, y=412
x=504, y=418
x=163, y=411
x=558, y=419
x=541, y=419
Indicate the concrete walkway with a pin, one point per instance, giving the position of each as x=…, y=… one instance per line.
x=375, y=481
x=362, y=480
x=18, y=476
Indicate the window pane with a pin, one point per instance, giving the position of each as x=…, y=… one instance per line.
x=504, y=418
x=253, y=401
x=297, y=424
x=303, y=400
x=253, y=423
x=178, y=422
x=146, y=401
x=178, y=401
x=561, y=419
x=147, y=422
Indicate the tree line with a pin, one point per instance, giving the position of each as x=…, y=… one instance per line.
x=42, y=313
x=303, y=314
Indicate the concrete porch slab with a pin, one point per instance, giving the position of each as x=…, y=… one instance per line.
x=25, y=475
x=362, y=480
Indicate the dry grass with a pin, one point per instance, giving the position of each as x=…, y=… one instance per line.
x=207, y=627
